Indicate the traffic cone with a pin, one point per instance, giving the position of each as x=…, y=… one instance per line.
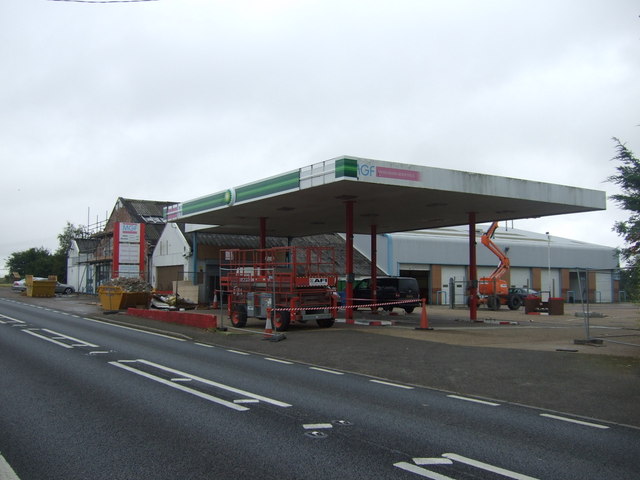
x=268, y=330
x=268, y=327
x=215, y=301
x=424, y=321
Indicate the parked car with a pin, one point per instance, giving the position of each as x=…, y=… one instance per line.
x=388, y=290
x=64, y=288
x=21, y=286
x=523, y=292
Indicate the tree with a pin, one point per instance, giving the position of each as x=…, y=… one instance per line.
x=68, y=234
x=40, y=262
x=34, y=261
x=628, y=179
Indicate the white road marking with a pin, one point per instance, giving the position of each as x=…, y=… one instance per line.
x=134, y=329
x=246, y=400
x=324, y=370
x=6, y=472
x=406, y=387
x=316, y=426
x=98, y=352
x=204, y=345
x=238, y=352
x=432, y=461
x=474, y=400
x=277, y=403
x=30, y=332
x=487, y=467
x=278, y=361
x=61, y=336
x=423, y=472
x=12, y=319
x=571, y=420
x=177, y=386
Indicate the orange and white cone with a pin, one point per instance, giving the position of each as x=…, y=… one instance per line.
x=424, y=320
x=268, y=327
x=215, y=301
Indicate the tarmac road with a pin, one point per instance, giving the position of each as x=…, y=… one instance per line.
x=533, y=362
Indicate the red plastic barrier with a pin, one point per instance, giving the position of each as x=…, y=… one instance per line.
x=200, y=320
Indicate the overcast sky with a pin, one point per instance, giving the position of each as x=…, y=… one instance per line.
x=175, y=99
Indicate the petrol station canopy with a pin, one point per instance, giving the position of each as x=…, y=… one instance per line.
x=394, y=197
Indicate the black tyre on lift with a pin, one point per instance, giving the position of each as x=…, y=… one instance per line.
x=493, y=302
x=515, y=302
x=281, y=321
x=239, y=316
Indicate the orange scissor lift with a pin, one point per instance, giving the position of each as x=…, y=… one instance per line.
x=288, y=284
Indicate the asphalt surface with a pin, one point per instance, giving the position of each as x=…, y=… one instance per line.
x=506, y=356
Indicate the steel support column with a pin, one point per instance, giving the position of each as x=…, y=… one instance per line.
x=349, y=261
x=374, y=264
x=263, y=232
x=473, y=269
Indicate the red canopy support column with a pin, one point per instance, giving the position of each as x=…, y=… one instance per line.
x=374, y=264
x=263, y=232
x=349, y=261
x=473, y=269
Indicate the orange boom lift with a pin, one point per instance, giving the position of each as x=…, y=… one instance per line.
x=493, y=291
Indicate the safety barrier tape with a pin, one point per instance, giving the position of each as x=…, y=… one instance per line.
x=345, y=307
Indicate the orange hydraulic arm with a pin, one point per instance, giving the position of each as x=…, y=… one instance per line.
x=504, y=265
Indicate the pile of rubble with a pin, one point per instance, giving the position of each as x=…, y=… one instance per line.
x=130, y=284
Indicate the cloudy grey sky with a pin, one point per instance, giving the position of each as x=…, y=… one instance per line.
x=175, y=99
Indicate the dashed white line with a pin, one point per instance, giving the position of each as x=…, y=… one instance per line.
x=474, y=400
x=237, y=352
x=204, y=345
x=381, y=382
x=316, y=426
x=324, y=370
x=276, y=360
x=571, y=420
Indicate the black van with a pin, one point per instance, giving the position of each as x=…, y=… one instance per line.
x=388, y=290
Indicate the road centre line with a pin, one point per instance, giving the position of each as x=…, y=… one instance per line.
x=316, y=426
x=177, y=386
x=324, y=370
x=215, y=384
x=571, y=420
x=12, y=319
x=381, y=382
x=432, y=461
x=237, y=352
x=474, y=400
x=487, y=467
x=63, y=336
x=64, y=345
x=204, y=345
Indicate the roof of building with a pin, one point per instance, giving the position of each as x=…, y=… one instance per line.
x=149, y=212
